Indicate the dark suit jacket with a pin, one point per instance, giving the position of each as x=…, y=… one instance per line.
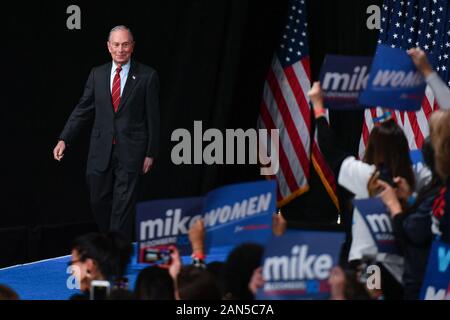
x=135, y=126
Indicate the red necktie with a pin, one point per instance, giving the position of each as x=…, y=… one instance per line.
x=116, y=91
x=116, y=88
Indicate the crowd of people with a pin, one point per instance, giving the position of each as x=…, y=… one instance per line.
x=416, y=196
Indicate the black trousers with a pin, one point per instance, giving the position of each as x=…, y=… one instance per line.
x=113, y=196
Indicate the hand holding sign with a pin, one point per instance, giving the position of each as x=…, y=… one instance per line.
x=342, y=78
x=316, y=96
x=394, y=81
x=197, y=237
x=231, y=215
x=419, y=57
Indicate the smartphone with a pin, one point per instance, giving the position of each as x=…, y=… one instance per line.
x=154, y=255
x=386, y=175
x=100, y=290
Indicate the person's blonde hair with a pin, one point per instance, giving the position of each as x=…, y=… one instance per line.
x=440, y=139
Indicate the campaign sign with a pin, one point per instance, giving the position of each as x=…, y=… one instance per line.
x=162, y=223
x=342, y=79
x=394, y=81
x=240, y=213
x=297, y=265
x=436, y=284
x=416, y=156
x=378, y=221
x=232, y=215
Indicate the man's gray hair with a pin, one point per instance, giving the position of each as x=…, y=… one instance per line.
x=121, y=27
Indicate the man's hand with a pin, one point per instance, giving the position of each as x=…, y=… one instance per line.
x=58, y=152
x=420, y=60
x=148, y=163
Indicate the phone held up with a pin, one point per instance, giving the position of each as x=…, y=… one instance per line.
x=159, y=256
x=100, y=290
x=386, y=175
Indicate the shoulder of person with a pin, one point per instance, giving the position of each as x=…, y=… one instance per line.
x=106, y=66
x=422, y=175
x=354, y=175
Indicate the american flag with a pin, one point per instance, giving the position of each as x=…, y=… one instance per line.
x=407, y=24
x=285, y=106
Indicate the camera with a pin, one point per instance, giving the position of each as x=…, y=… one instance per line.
x=100, y=290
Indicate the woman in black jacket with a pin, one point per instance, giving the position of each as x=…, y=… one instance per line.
x=412, y=227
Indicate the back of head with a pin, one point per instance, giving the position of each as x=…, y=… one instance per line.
x=238, y=270
x=428, y=155
x=154, y=283
x=388, y=146
x=440, y=139
x=121, y=294
x=216, y=269
x=111, y=252
x=7, y=293
x=195, y=283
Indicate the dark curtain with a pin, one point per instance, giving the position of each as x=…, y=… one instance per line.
x=212, y=58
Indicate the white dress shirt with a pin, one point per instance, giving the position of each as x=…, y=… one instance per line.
x=123, y=75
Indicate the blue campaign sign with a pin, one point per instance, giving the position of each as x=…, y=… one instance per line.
x=297, y=265
x=342, y=79
x=232, y=215
x=394, y=81
x=416, y=156
x=161, y=223
x=436, y=283
x=240, y=213
x=378, y=221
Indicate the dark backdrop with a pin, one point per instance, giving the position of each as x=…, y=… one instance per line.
x=211, y=56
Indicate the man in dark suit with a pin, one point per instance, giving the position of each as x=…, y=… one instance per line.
x=121, y=97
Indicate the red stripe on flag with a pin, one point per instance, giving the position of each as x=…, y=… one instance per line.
x=284, y=163
x=436, y=105
x=394, y=115
x=289, y=123
x=299, y=96
x=306, y=66
x=418, y=136
x=365, y=132
x=426, y=107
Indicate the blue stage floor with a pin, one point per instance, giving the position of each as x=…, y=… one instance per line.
x=47, y=279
